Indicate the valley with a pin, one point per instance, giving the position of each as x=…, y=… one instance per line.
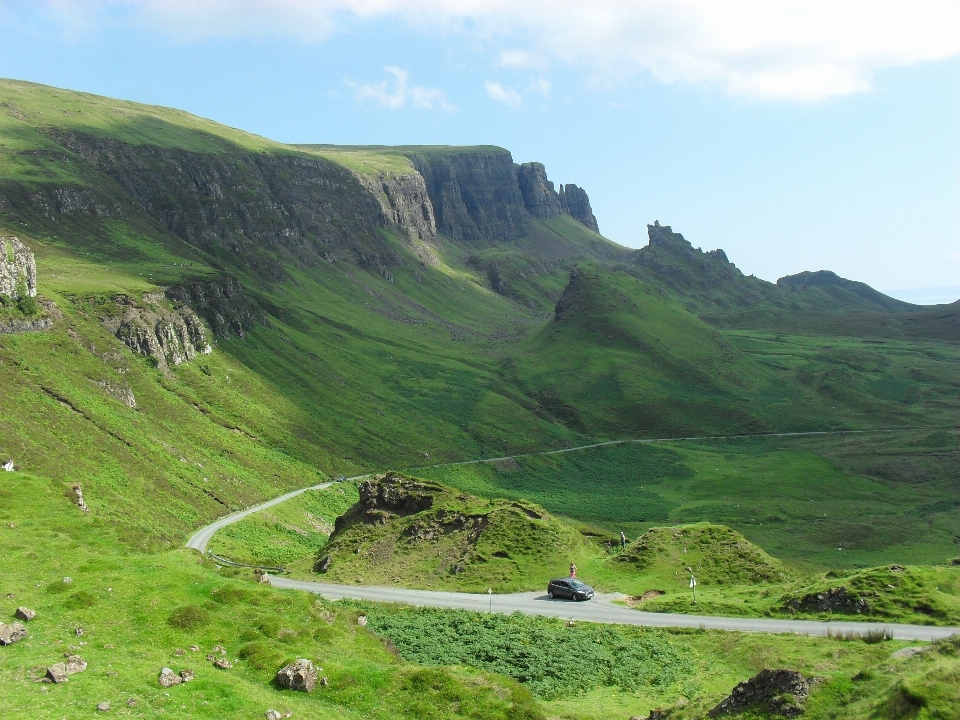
x=215, y=319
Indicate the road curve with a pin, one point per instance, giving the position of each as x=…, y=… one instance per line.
x=199, y=540
x=601, y=610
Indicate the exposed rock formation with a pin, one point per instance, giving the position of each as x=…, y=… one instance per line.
x=838, y=600
x=300, y=675
x=171, y=337
x=778, y=692
x=539, y=197
x=575, y=203
x=12, y=633
x=386, y=496
x=25, y=614
x=222, y=303
x=18, y=269
x=475, y=193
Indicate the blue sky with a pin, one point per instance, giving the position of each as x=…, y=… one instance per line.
x=794, y=135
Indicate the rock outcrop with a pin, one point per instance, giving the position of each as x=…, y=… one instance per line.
x=475, y=193
x=833, y=600
x=223, y=303
x=151, y=329
x=18, y=269
x=14, y=632
x=300, y=675
x=539, y=197
x=776, y=692
x=575, y=203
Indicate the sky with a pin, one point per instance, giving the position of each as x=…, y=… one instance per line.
x=794, y=135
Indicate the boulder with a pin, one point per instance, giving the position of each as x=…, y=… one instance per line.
x=775, y=692
x=57, y=673
x=11, y=633
x=24, y=613
x=168, y=678
x=300, y=675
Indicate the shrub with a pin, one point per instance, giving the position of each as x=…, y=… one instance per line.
x=189, y=617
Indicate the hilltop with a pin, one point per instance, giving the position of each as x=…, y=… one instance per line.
x=419, y=533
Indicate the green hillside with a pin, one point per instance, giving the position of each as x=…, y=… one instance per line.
x=221, y=318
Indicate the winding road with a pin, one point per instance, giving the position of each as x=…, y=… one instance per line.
x=600, y=610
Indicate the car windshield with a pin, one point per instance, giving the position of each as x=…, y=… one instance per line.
x=577, y=585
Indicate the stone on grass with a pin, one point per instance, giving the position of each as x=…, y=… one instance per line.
x=186, y=675
x=300, y=675
x=272, y=714
x=776, y=692
x=74, y=664
x=179, y=651
x=131, y=702
x=68, y=580
x=79, y=632
x=57, y=673
x=222, y=663
x=11, y=633
x=168, y=678
x=103, y=707
x=25, y=613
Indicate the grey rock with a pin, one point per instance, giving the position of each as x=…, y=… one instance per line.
x=834, y=600
x=68, y=580
x=907, y=652
x=777, y=692
x=272, y=714
x=187, y=675
x=222, y=664
x=79, y=631
x=74, y=664
x=151, y=328
x=168, y=678
x=25, y=613
x=575, y=203
x=14, y=632
x=18, y=269
x=57, y=673
x=103, y=707
x=539, y=197
x=300, y=675
x=131, y=702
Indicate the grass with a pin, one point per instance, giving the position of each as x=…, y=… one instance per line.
x=140, y=612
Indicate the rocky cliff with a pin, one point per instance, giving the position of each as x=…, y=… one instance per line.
x=481, y=194
x=152, y=329
x=575, y=203
x=539, y=197
x=18, y=269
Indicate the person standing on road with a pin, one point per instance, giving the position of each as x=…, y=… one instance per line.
x=623, y=541
x=573, y=570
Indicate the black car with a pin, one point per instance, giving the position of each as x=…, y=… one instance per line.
x=569, y=588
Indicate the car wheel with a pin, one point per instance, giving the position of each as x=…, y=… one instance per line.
x=550, y=593
x=577, y=598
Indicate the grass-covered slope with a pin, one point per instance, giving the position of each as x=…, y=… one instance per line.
x=418, y=533
x=140, y=613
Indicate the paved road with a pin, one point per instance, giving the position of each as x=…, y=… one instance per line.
x=600, y=610
x=202, y=536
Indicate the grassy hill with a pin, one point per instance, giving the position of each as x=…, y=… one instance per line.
x=418, y=533
x=354, y=326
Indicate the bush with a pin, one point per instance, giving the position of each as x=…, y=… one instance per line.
x=27, y=305
x=80, y=599
x=189, y=617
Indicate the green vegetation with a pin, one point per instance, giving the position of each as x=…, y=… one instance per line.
x=291, y=531
x=590, y=671
x=341, y=345
x=422, y=534
x=140, y=613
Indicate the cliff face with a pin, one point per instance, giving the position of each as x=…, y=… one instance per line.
x=575, y=203
x=148, y=328
x=248, y=209
x=475, y=195
x=18, y=269
x=480, y=194
x=539, y=197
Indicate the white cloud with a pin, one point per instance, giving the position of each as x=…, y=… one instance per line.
x=802, y=50
x=396, y=92
x=503, y=94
